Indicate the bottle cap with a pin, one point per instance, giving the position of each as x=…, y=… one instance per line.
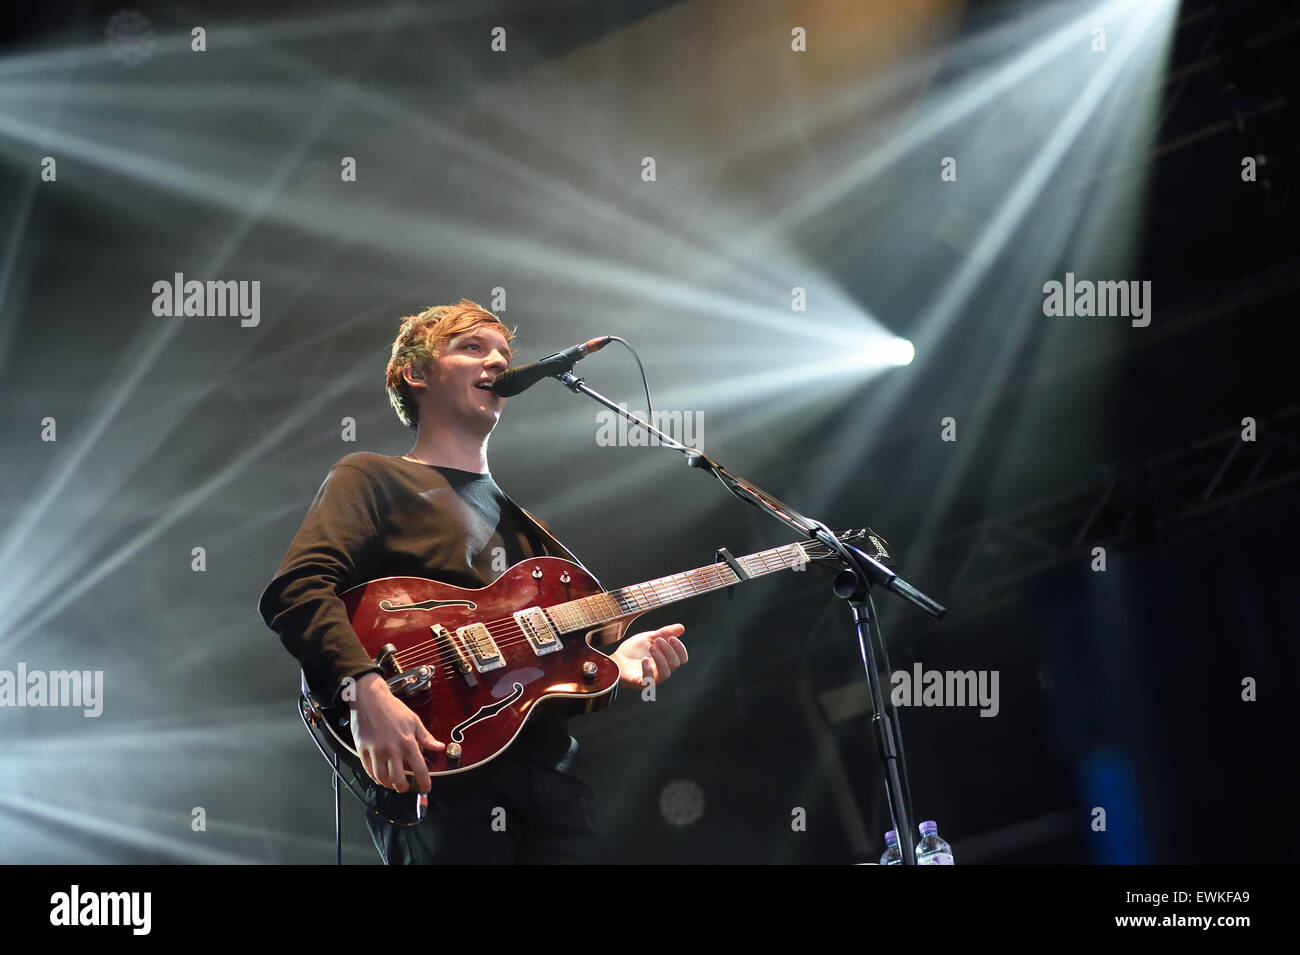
x=929, y=827
x=891, y=837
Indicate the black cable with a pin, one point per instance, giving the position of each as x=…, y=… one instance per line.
x=338, y=814
x=649, y=409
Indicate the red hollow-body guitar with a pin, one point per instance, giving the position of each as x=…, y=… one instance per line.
x=475, y=664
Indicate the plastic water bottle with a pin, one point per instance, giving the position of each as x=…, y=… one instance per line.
x=932, y=850
x=893, y=855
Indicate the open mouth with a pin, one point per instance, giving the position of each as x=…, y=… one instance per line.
x=484, y=385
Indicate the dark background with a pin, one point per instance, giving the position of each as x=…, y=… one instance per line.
x=522, y=170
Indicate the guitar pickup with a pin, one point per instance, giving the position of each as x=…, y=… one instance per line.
x=462, y=664
x=483, y=649
x=537, y=628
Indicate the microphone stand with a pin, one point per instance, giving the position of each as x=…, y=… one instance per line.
x=852, y=584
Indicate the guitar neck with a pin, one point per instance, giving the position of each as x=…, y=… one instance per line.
x=600, y=609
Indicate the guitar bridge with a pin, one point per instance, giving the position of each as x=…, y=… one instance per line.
x=461, y=663
x=537, y=628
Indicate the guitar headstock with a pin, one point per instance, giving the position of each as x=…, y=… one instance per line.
x=863, y=538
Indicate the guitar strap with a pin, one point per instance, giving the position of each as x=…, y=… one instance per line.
x=553, y=545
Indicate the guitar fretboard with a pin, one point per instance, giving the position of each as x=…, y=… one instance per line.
x=599, y=609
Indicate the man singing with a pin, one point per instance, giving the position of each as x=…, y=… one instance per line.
x=437, y=513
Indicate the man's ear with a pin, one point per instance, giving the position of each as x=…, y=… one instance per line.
x=415, y=372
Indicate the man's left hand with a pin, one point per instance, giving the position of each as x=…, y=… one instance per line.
x=650, y=656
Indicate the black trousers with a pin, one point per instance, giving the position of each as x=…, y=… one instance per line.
x=512, y=810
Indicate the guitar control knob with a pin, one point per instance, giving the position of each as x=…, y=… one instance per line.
x=589, y=671
x=565, y=578
x=537, y=573
x=453, y=752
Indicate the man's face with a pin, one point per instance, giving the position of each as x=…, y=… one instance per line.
x=455, y=380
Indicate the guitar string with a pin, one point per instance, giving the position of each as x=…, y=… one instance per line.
x=508, y=627
x=443, y=678
x=630, y=603
x=684, y=586
x=675, y=587
x=507, y=633
x=772, y=561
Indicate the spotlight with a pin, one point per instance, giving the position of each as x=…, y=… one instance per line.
x=898, y=351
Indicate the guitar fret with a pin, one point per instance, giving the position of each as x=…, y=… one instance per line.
x=607, y=603
x=599, y=609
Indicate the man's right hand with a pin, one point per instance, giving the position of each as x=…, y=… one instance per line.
x=389, y=736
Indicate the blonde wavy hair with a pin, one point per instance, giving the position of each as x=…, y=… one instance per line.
x=422, y=338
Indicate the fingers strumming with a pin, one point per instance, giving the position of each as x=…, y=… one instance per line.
x=396, y=775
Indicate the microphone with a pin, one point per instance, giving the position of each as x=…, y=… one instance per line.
x=515, y=380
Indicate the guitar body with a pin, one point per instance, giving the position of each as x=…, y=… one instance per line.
x=482, y=685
